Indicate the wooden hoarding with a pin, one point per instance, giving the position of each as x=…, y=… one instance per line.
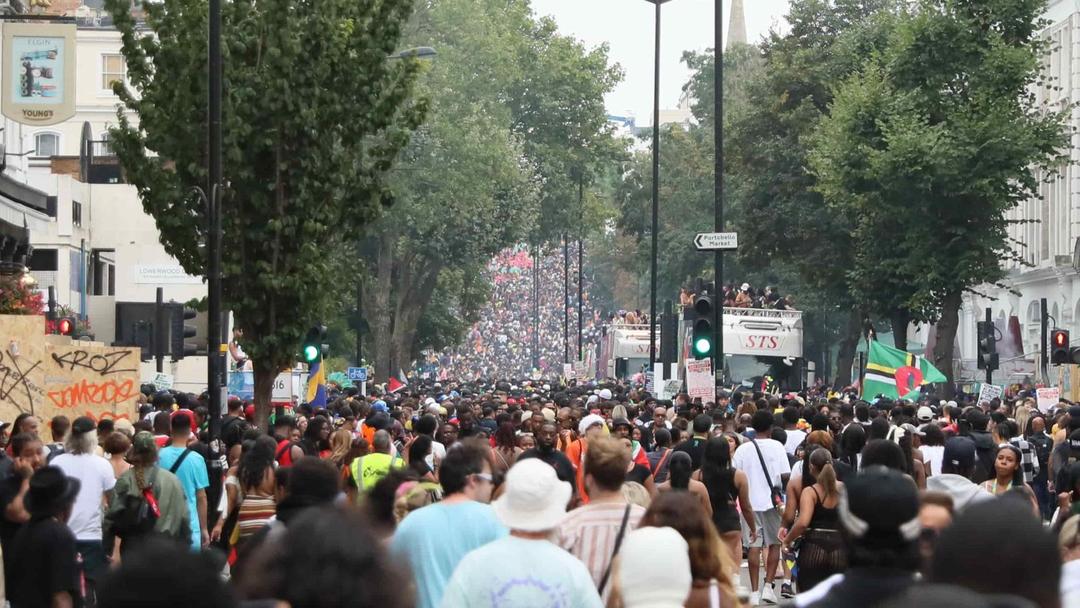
x=50, y=375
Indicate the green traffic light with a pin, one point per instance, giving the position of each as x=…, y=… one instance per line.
x=702, y=346
x=311, y=353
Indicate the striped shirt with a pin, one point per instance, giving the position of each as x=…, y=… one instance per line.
x=255, y=513
x=1029, y=461
x=589, y=534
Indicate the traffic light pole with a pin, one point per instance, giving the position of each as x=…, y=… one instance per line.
x=990, y=328
x=1044, y=360
x=718, y=187
x=159, y=330
x=213, y=239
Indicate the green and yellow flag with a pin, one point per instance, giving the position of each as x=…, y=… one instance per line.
x=896, y=374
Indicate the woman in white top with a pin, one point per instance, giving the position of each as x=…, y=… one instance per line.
x=932, y=448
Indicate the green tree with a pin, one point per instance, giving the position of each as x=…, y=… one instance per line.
x=932, y=142
x=314, y=118
x=517, y=122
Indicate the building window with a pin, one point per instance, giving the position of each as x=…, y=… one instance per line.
x=76, y=213
x=46, y=144
x=112, y=70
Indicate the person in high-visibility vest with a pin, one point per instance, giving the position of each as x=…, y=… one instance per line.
x=366, y=471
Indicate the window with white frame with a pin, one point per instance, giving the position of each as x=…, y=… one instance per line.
x=112, y=70
x=46, y=144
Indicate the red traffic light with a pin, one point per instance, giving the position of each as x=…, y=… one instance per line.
x=1060, y=338
x=65, y=326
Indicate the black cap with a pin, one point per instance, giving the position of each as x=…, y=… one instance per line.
x=83, y=425
x=959, y=452
x=621, y=422
x=50, y=491
x=880, y=507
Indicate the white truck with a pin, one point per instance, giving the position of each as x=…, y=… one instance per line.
x=758, y=343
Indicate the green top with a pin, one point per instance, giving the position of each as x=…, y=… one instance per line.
x=174, y=520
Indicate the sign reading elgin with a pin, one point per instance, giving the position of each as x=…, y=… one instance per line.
x=38, y=72
x=51, y=375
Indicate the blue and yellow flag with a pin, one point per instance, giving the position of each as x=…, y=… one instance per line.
x=316, y=385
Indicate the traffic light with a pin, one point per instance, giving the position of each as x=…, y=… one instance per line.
x=704, y=334
x=1059, y=347
x=987, y=344
x=66, y=326
x=181, y=331
x=312, y=349
x=143, y=337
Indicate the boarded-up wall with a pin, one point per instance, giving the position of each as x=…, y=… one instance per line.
x=51, y=375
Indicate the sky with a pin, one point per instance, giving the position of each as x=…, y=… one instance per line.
x=627, y=27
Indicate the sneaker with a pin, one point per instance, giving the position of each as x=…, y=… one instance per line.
x=768, y=594
x=786, y=591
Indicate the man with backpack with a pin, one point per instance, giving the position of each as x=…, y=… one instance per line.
x=233, y=427
x=190, y=469
x=148, y=501
x=288, y=451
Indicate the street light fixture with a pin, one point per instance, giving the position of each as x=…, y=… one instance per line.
x=655, y=189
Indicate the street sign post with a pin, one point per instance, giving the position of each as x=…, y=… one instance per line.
x=717, y=241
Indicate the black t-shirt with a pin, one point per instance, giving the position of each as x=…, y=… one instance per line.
x=43, y=563
x=232, y=430
x=563, y=469
x=638, y=474
x=9, y=489
x=695, y=447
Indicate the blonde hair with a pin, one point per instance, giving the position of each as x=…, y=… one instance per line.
x=619, y=411
x=634, y=493
x=340, y=443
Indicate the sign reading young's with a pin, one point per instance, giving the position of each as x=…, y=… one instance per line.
x=39, y=73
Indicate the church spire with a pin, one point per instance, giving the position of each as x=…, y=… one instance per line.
x=737, y=26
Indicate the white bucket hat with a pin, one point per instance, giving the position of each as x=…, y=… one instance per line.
x=588, y=421
x=605, y=394
x=535, y=499
x=654, y=569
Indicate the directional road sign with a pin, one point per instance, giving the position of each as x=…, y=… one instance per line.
x=711, y=241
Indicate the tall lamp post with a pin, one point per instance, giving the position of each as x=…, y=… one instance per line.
x=718, y=188
x=655, y=188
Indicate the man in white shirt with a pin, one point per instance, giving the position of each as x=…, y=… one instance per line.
x=748, y=459
x=795, y=436
x=96, y=478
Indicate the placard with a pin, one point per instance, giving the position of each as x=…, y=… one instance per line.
x=989, y=392
x=700, y=381
x=162, y=381
x=1047, y=398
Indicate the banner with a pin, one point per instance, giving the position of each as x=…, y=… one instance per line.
x=700, y=381
x=39, y=73
x=51, y=375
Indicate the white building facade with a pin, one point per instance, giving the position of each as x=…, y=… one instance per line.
x=92, y=241
x=1048, y=241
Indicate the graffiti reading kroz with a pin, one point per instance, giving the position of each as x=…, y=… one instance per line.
x=102, y=364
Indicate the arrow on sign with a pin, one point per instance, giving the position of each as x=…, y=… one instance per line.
x=713, y=241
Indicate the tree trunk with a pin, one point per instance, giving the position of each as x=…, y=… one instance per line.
x=412, y=300
x=379, y=313
x=845, y=358
x=899, y=320
x=264, y=390
x=946, y=329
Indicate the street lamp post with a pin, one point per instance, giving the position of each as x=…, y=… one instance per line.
x=718, y=187
x=655, y=188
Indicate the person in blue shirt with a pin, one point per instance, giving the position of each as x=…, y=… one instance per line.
x=192, y=474
x=435, y=538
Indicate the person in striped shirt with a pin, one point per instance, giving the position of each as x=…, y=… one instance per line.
x=593, y=532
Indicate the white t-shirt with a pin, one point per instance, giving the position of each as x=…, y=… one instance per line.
x=96, y=477
x=794, y=438
x=747, y=461
x=933, y=454
x=438, y=453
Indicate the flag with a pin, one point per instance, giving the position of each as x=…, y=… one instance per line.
x=396, y=384
x=896, y=374
x=316, y=384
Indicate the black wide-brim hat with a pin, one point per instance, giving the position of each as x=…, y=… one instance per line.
x=50, y=491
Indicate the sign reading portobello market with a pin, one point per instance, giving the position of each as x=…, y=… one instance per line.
x=39, y=73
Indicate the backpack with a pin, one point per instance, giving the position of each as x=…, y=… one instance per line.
x=138, y=514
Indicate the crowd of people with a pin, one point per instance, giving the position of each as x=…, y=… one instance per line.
x=500, y=343
x=500, y=494
x=746, y=296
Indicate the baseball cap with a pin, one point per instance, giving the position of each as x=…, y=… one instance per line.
x=959, y=452
x=879, y=508
x=925, y=414
x=83, y=425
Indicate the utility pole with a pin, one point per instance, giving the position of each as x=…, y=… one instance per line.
x=359, y=321
x=1044, y=359
x=566, y=298
x=718, y=188
x=214, y=359
x=655, y=190
x=580, y=265
x=990, y=330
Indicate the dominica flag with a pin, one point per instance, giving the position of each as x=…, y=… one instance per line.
x=896, y=374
